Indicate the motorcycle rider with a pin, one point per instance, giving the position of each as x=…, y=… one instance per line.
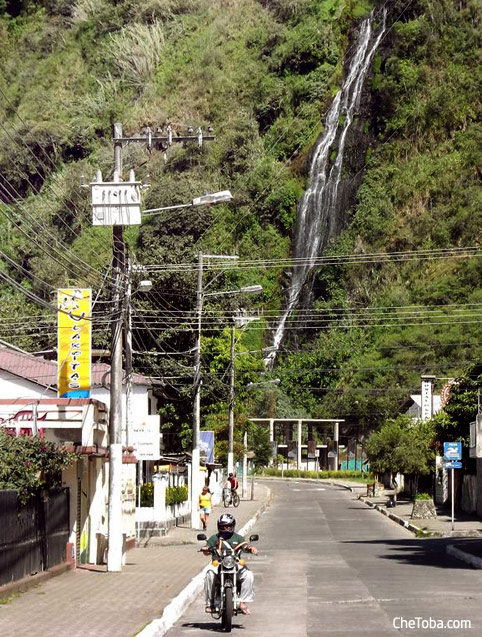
x=226, y=526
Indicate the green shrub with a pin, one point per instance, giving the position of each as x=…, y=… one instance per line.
x=28, y=463
x=317, y=475
x=176, y=495
x=147, y=495
x=423, y=496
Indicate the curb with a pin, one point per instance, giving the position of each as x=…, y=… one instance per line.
x=177, y=606
x=450, y=549
x=407, y=525
x=473, y=560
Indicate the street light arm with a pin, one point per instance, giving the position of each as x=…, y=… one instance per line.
x=252, y=289
x=155, y=210
x=204, y=200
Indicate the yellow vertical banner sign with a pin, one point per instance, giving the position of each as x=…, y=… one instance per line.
x=74, y=343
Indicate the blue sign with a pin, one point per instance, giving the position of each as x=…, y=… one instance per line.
x=206, y=446
x=453, y=450
x=453, y=465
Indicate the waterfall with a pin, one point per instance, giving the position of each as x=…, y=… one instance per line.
x=317, y=221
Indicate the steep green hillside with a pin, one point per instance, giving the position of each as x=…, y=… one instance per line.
x=262, y=74
x=421, y=191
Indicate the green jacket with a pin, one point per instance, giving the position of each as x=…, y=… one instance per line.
x=233, y=541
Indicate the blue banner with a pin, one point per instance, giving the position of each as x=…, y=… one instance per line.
x=206, y=444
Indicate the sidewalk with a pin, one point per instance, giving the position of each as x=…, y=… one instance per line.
x=88, y=601
x=467, y=528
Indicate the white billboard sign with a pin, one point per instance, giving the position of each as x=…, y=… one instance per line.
x=116, y=203
x=146, y=438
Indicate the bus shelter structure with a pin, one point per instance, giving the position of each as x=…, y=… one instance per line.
x=332, y=424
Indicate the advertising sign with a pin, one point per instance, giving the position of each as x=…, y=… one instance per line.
x=206, y=446
x=74, y=343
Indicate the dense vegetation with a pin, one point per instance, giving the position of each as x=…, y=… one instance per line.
x=28, y=463
x=262, y=73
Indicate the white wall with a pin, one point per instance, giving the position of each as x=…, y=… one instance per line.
x=12, y=386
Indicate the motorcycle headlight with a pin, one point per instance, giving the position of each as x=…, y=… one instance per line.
x=229, y=561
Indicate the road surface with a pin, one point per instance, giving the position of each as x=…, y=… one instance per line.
x=328, y=565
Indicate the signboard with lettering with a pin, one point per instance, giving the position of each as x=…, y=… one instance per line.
x=427, y=398
x=116, y=203
x=452, y=451
x=74, y=343
x=453, y=465
x=146, y=438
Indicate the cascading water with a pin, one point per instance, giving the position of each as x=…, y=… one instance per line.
x=317, y=222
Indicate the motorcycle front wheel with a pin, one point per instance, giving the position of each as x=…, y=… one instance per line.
x=227, y=500
x=227, y=618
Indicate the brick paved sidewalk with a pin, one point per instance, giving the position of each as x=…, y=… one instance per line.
x=89, y=601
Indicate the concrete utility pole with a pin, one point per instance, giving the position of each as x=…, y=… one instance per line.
x=196, y=425
x=231, y=408
x=120, y=295
x=114, y=554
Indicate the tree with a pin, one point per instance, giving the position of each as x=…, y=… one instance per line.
x=401, y=446
x=259, y=443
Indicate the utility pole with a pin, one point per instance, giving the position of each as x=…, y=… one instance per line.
x=231, y=408
x=115, y=205
x=128, y=353
x=114, y=555
x=196, y=424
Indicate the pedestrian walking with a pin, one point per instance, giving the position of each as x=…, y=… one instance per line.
x=205, y=506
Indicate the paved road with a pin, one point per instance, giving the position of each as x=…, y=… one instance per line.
x=331, y=566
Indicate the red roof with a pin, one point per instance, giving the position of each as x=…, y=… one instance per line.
x=43, y=372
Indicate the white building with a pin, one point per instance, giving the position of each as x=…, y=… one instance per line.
x=28, y=401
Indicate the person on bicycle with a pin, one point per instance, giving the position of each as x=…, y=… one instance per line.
x=233, y=483
x=226, y=526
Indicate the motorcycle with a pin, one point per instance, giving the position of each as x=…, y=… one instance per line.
x=228, y=562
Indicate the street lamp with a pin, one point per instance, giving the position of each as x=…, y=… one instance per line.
x=212, y=198
x=196, y=430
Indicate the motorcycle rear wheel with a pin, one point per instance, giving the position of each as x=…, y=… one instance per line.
x=227, y=618
x=236, y=500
